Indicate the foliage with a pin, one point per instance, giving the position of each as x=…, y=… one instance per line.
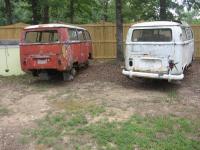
x=93, y=11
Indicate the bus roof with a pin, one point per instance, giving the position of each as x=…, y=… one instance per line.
x=159, y=23
x=52, y=26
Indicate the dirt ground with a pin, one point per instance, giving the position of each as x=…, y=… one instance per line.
x=25, y=99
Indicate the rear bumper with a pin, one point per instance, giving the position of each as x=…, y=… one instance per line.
x=152, y=75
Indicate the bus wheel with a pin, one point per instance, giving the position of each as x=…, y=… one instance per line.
x=67, y=76
x=73, y=71
x=86, y=65
x=44, y=76
x=35, y=73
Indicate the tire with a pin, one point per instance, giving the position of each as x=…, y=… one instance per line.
x=73, y=71
x=67, y=76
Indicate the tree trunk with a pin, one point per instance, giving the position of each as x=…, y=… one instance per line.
x=71, y=11
x=8, y=10
x=163, y=14
x=105, y=9
x=46, y=14
x=119, y=29
x=34, y=11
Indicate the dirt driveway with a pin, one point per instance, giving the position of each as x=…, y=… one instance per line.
x=24, y=99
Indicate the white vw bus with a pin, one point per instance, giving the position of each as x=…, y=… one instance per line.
x=159, y=49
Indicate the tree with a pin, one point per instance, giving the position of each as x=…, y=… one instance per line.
x=8, y=11
x=71, y=11
x=105, y=5
x=137, y=10
x=45, y=14
x=163, y=10
x=81, y=11
x=192, y=4
x=35, y=8
x=44, y=10
x=93, y=11
x=119, y=29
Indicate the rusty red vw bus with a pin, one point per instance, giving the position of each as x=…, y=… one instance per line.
x=54, y=48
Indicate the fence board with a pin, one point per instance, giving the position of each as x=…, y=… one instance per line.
x=103, y=36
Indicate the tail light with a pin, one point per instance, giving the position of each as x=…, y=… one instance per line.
x=24, y=62
x=171, y=64
x=130, y=62
x=59, y=62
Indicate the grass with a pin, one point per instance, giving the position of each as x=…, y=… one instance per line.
x=30, y=81
x=53, y=127
x=16, y=79
x=172, y=96
x=3, y=111
x=137, y=132
x=146, y=133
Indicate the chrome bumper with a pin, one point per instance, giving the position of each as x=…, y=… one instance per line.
x=152, y=75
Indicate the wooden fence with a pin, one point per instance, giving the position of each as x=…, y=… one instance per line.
x=103, y=36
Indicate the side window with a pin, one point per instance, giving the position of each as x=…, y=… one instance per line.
x=81, y=35
x=189, y=34
x=72, y=35
x=87, y=35
x=183, y=36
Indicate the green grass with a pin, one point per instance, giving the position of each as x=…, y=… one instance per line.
x=16, y=79
x=3, y=111
x=156, y=133
x=53, y=127
x=172, y=96
x=77, y=120
x=146, y=133
x=96, y=110
x=30, y=81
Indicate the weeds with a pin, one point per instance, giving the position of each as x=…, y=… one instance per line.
x=3, y=111
x=141, y=132
x=145, y=133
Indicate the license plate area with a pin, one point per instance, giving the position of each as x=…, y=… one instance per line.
x=41, y=61
x=149, y=65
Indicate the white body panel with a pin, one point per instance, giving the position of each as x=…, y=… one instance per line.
x=151, y=59
x=10, y=60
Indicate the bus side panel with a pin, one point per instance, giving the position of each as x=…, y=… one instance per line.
x=84, y=51
x=76, y=51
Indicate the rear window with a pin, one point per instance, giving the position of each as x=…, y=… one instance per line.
x=152, y=35
x=50, y=36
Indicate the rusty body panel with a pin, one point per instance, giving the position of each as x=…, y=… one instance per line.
x=49, y=47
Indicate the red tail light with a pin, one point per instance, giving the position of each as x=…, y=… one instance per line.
x=171, y=64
